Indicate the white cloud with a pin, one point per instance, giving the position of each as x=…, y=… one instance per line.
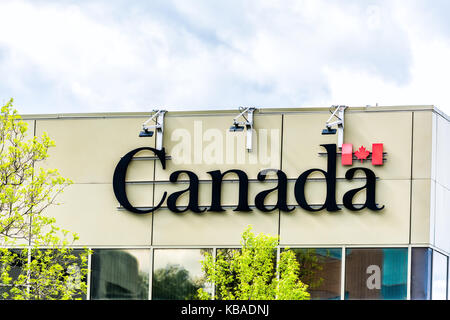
x=429, y=70
x=86, y=56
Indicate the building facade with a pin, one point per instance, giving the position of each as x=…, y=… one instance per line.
x=367, y=220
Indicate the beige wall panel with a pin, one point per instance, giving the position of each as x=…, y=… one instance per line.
x=230, y=192
x=204, y=143
x=91, y=211
x=302, y=139
x=442, y=219
x=30, y=128
x=432, y=210
x=422, y=144
x=140, y=170
x=210, y=228
x=88, y=150
x=315, y=191
x=140, y=195
x=420, y=212
x=434, y=146
x=442, y=152
x=388, y=226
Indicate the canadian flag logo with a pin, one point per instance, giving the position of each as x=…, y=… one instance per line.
x=362, y=154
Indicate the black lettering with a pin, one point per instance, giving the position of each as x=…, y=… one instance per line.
x=193, y=193
x=370, y=191
x=120, y=173
x=330, y=177
x=216, y=191
x=282, y=193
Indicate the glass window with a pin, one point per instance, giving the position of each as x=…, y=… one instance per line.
x=448, y=279
x=421, y=273
x=13, y=260
x=228, y=254
x=177, y=274
x=320, y=269
x=439, y=285
x=376, y=273
x=77, y=277
x=43, y=284
x=70, y=260
x=120, y=274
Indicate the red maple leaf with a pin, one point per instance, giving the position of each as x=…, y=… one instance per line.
x=362, y=153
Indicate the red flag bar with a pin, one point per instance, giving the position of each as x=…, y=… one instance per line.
x=347, y=154
x=377, y=154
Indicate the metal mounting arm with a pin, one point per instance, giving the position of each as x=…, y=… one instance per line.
x=248, y=124
x=339, y=114
x=158, y=118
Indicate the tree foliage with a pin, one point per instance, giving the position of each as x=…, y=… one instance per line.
x=311, y=265
x=174, y=283
x=252, y=272
x=36, y=260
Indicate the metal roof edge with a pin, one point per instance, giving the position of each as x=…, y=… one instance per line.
x=232, y=111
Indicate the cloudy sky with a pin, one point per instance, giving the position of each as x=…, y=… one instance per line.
x=61, y=56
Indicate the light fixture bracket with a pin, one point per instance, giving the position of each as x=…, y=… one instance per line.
x=339, y=114
x=247, y=114
x=158, y=118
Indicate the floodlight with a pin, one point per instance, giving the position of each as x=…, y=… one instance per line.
x=146, y=133
x=236, y=128
x=328, y=130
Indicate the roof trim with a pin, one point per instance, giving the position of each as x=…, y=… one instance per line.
x=233, y=111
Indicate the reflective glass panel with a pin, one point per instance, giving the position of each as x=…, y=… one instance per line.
x=230, y=253
x=120, y=274
x=77, y=276
x=421, y=273
x=439, y=285
x=38, y=283
x=177, y=274
x=448, y=279
x=14, y=259
x=376, y=273
x=72, y=264
x=320, y=269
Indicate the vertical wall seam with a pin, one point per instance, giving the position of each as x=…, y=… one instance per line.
x=411, y=177
x=153, y=197
x=153, y=201
x=281, y=168
x=32, y=178
x=409, y=274
x=89, y=274
x=435, y=185
x=344, y=249
x=152, y=251
x=431, y=274
x=213, y=284
x=150, y=276
x=447, y=282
